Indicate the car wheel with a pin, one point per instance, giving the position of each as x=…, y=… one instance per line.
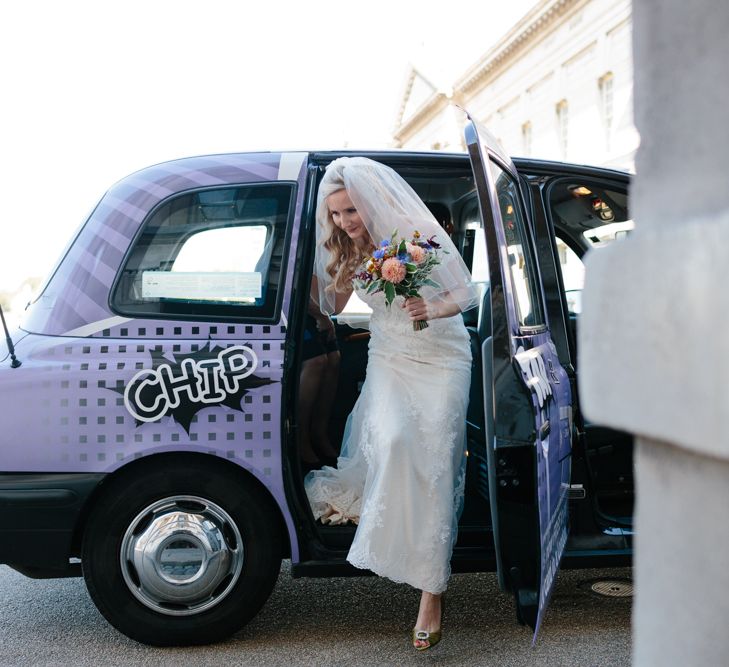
x=180, y=555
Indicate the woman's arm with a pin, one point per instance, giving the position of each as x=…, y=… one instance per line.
x=340, y=298
x=445, y=309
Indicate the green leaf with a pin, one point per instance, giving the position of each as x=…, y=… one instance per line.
x=401, y=248
x=389, y=292
x=411, y=268
x=430, y=282
x=373, y=286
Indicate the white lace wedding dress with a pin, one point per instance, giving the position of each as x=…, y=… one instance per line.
x=401, y=472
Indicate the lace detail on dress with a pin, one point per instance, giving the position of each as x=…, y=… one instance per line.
x=401, y=474
x=368, y=437
x=332, y=502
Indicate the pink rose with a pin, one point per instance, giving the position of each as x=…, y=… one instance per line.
x=393, y=270
x=416, y=252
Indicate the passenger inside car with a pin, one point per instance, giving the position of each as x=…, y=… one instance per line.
x=451, y=196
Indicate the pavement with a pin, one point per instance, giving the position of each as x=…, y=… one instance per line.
x=336, y=621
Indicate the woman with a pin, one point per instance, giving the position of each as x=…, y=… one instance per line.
x=401, y=472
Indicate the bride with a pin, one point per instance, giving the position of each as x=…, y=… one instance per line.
x=401, y=473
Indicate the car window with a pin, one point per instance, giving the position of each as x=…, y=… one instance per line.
x=573, y=276
x=356, y=313
x=230, y=249
x=479, y=259
x=212, y=253
x=614, y=231
x=592, y=214
x=521, y=265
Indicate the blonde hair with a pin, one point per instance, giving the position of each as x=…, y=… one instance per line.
x=345, y=255
x=388, y=206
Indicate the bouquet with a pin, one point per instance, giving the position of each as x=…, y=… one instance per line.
x=400, y=268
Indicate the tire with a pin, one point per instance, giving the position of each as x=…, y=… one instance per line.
x=182, y=554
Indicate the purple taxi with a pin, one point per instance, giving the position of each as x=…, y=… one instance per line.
x=148, y=428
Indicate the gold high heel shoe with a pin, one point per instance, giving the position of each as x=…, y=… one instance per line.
x=431, y=637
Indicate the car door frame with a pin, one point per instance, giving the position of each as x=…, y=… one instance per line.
x=528, y=543
x=542, y=179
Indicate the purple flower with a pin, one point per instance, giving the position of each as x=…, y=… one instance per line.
x=384, y=243
x=378, y=254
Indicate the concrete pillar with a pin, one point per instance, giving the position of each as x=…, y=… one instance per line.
x=654, y=334
x=681, y=610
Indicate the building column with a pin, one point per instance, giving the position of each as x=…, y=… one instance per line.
x=681, y=610
x=654, y=358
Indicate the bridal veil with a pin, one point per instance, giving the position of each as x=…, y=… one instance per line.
x=386, y=202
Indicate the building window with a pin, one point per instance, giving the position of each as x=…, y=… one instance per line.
x=563, y=127
x=605, y=84
x=526, y=138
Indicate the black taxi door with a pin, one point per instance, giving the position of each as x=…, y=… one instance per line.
x=527, y=395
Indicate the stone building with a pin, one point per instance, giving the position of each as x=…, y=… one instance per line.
x=558, y=86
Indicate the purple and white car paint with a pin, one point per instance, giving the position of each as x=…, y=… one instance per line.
x=160, y=446
x=78, y=355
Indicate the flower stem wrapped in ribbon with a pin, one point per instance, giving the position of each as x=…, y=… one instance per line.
x=400, y=268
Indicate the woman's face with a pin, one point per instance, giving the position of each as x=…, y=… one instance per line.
x=345, y=215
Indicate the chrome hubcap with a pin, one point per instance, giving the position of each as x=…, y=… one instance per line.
x=181, y=555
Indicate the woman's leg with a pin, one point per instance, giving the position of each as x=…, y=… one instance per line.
x=429, y=612
x=429, y=615
x=323, y=407
x=309, y=382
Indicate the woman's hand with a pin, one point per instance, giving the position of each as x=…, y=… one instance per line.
x=419, y=310
x=326, y=327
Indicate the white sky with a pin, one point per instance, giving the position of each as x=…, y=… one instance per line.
x=95, y=90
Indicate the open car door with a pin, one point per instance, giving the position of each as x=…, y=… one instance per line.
x=528, y=402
